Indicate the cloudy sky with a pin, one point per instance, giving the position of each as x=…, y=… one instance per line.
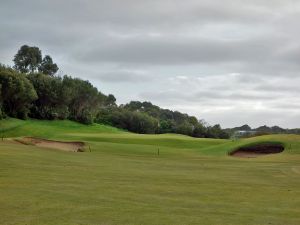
x=230, y=62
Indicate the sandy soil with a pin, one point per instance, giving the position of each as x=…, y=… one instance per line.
x=61, y=145
x=257, y=150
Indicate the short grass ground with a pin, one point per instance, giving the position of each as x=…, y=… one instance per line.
x=123, y=180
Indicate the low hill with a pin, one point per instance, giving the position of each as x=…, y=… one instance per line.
x=47, y=129
x=69, y=130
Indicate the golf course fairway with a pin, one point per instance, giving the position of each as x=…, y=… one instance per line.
x=131, y=179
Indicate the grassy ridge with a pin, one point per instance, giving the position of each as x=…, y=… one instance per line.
x=124, y=181
x=15, y=128
x=68, y=130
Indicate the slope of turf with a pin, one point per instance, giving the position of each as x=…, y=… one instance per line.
x=14, y=128
x=124, y=181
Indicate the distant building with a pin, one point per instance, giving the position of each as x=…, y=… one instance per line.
x=243, y=133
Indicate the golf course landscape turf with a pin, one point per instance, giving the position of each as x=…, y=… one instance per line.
x=134, y=179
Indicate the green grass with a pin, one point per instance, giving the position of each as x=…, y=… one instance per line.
x=123, y=181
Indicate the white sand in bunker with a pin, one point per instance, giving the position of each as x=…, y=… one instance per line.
x=60, y=145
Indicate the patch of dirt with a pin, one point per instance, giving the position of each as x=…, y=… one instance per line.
x=254, y=151
x=61, y=145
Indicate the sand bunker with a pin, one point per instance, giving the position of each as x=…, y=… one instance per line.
x=61, y=145
x=257, y=150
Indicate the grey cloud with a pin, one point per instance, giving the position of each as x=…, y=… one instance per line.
x=174, y=50
x=158, y=48
x=250, y=55
x=281, y=88
x=221, y=96
x=124, y=76
x=147, y=12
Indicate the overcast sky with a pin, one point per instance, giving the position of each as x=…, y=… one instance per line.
x=229, y=62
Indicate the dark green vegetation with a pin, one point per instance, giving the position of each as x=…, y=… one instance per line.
x=124, y=181
x=29, y=59
x=32, y=90
x=146, y=118
x=247, y=131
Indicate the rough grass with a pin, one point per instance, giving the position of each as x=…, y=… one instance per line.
x=124, y=181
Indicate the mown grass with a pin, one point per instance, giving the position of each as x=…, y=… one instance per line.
x=124, y=181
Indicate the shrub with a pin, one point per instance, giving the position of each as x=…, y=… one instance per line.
x=17, y=93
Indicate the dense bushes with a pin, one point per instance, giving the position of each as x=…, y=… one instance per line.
x=51, y=102
x=32, y=89
x=176, y=122
x=2, y=115
x=48, y=97
x=17, y=93
x=82, y=98
x=133, y=121
x=143, y=117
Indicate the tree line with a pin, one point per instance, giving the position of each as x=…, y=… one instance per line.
x=32, y=89
x=144, y=117
x=246, y=131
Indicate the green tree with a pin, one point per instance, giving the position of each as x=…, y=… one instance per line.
x=1, y=112
x=167, y=126
x=135, y=121
x=17, y=93
x=199, y=130
x=143, y=123
x=83, y=98
x=52, y=101
x=185, y=128
x=27, y=59
x=216, y=132
x=110, y=100
x=47, y=66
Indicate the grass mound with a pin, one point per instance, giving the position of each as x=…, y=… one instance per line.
x=50, y=129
